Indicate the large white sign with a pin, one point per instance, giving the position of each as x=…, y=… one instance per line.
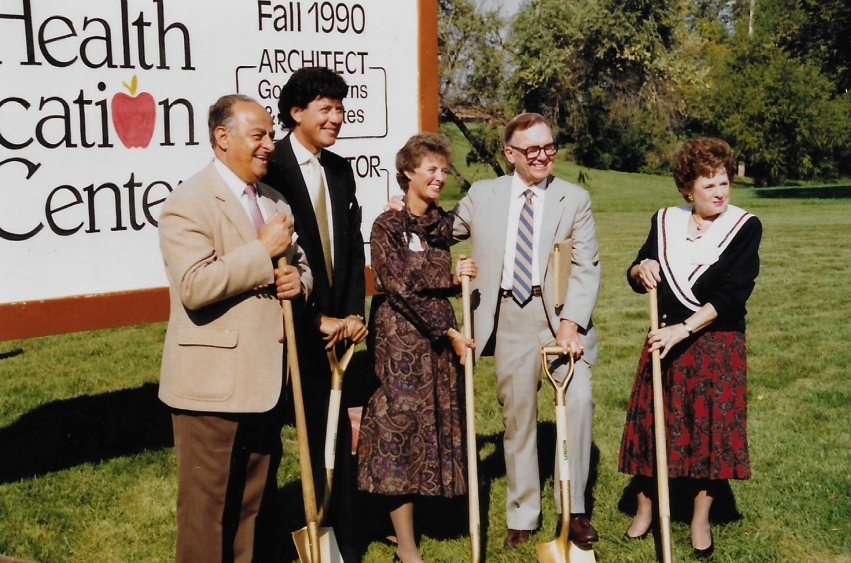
x=103, y=107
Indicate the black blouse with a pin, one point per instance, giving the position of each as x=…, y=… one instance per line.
x=727, y=284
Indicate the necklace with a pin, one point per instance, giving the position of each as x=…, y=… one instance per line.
x=702, y=225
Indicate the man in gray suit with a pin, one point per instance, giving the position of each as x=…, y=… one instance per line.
x=222, y=367
x=513, y=224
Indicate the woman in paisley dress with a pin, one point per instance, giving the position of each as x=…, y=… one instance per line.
x=411, y=438
x=703, y=259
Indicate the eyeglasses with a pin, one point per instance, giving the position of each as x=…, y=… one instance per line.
x=531, y=153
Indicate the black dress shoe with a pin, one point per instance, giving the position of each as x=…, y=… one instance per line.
x=707, y=552
x=628, y=537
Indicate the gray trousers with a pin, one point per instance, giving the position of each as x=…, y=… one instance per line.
x=521, y=332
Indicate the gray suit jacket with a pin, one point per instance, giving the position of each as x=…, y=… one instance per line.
x=222, y=351
x=482, y=216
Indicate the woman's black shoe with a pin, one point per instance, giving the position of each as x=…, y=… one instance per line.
x=628, y=537
x=705, y=553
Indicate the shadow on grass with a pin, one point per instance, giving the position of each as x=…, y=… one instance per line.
x=681, y=491
x=87, y=429
x=810, y=192
x=723, y=510
x=436, y=517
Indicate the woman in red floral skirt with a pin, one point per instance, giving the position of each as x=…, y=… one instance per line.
x=703, y=259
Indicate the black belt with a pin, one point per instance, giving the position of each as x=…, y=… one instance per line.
x=506, y=293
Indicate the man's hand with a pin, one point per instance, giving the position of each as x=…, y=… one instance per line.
x=277, y=234
x=287, y=282
x=396, y=203
x=567, y=337
x=332, y=329
x=355, y=329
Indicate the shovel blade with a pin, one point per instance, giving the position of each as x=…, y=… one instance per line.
x=329, y=552
x=557, y=552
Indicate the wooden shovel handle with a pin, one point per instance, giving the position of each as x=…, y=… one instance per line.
x=307, y=486
x=338, y=369
x=472, y=449
x=661, y=441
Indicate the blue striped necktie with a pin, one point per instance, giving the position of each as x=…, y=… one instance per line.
x=521, y=290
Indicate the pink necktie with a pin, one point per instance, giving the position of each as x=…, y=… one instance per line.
x=256, y=216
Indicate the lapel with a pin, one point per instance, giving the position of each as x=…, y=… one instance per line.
x=338, y=208
x=555, y=202
x=296, y=194
x=500, y=199
x=298, y=197
x=230, y=205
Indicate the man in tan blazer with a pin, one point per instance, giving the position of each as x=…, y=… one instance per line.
x=221, y=233
x=512, y=322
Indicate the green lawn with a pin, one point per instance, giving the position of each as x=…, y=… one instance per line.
x=86, y=474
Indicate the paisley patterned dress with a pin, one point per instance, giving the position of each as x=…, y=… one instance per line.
x=411, y=438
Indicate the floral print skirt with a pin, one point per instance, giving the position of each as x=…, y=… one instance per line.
x=705, y=386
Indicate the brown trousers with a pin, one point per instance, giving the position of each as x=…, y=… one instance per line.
x=227, y=468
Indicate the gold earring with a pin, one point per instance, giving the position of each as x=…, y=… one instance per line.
x=690, y=198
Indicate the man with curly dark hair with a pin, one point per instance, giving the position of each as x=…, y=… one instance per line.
x=320, y=187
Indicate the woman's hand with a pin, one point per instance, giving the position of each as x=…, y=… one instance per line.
x=460, y=344
x=666, y=338
x=465, y=267
x=647, y=272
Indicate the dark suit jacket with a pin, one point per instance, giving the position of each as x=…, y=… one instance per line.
x=346, y=297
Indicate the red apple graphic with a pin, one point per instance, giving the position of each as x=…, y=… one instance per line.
x=134, y=116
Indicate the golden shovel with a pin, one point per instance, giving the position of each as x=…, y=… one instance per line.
x=661, y=443
x=472, y=450
x=561, y=549
x=328, y=547
x=307, y=489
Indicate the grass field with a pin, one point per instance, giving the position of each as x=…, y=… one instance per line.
x=87, y=472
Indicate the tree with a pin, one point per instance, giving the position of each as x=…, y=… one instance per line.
x=472, y=73
x=777, y=112
x=824, y=36
x=602, y=73
x=471, y=55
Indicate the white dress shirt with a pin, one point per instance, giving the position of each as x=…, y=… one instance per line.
x=237, y=186
x=303, y=156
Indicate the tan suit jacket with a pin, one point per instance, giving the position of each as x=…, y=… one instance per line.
x=222, y=351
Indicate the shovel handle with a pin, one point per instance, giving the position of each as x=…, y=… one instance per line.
x=338, y=369
x=305, y=467
x=661, y=441
x=560, y=387
x=562, y=453
x=472, y=449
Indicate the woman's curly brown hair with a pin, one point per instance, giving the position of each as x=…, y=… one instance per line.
x=700, y=158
